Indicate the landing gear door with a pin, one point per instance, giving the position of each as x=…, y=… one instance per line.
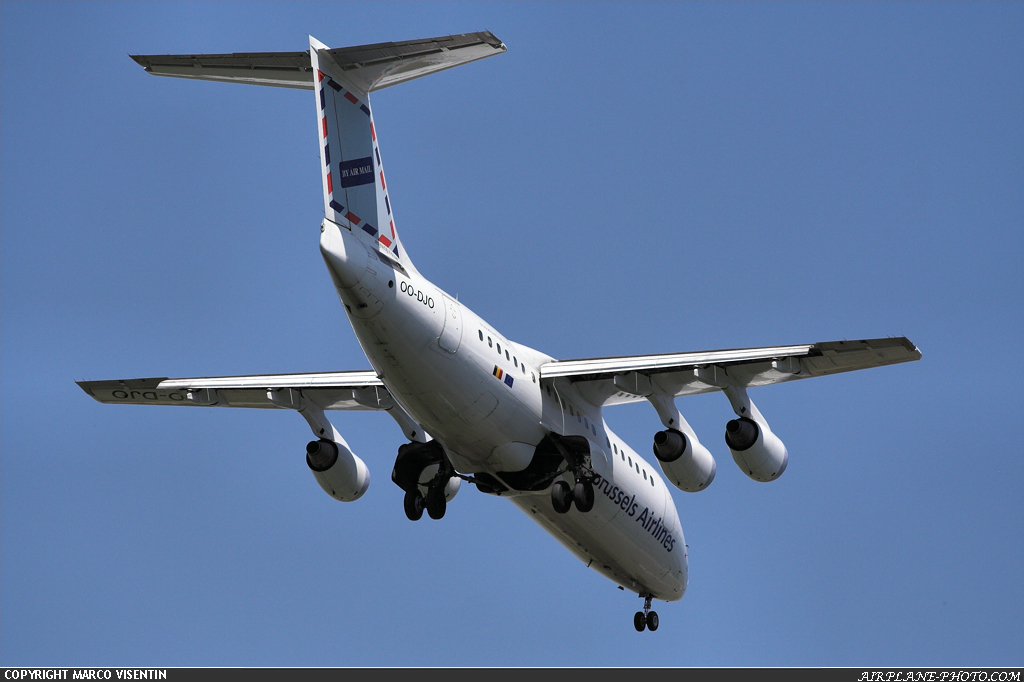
x=451, y=334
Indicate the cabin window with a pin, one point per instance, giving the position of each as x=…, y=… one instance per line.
x=586, y=424
x=489, y=343
x=481, y=333
x=593, y=429
x=615, y=449
x=499, y=348
x=524, y=368
x=506, y=354
x=630, y=461
x=645, y=474
x=652, y=481
x=515, y=363
x=534, y=377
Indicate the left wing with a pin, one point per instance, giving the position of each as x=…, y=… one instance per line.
x=626, y=379
x=360, y=390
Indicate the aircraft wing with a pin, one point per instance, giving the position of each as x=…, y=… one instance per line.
x=360, y=390
x=615, y=380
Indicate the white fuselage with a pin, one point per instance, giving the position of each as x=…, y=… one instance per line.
x=481, y=396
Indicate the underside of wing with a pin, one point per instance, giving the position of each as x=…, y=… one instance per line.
x=358, y=390
x=615, y=380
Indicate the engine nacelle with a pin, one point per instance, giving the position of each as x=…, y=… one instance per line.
x=341, y=474
x=685, y=462
x=756, y=450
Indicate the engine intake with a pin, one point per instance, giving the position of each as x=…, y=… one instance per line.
x=669, y=445
x=741, y=434
x=684, y=461
x=340, y=473
x=756, y=450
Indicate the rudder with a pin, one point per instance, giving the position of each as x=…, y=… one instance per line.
x=354, y=186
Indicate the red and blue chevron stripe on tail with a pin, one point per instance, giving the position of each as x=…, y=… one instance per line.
x=355, y=191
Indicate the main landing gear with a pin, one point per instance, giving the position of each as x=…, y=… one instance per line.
x=563, y=497
x=413, y=460
x=435, y=503
x=646, y=618
x=576, y=453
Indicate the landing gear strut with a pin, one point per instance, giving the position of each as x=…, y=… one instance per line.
x=646, y=618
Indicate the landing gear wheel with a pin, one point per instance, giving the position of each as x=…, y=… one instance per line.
x=436, y=504
x=646, y=618
x=414, y=505
x=652, y=621
x=561, y=497
x=583, y=496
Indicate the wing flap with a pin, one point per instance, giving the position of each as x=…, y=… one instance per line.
x=666, y=362
x=617, y=380
x=360, y=390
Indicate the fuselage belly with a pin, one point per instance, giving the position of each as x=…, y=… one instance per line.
x=481, y=396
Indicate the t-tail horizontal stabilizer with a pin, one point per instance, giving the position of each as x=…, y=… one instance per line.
x=354, y=185
x=368, y=67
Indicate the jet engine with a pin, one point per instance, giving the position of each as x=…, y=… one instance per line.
x=755, y=449
x=685, y=462
x=341, y=474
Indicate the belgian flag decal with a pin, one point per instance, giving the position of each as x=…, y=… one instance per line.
x=499, y=373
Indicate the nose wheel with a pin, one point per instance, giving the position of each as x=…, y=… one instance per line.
x=646, y=619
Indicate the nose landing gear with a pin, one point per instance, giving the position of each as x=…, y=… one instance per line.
x=646, y=618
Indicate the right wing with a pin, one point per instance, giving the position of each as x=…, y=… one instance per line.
x=627, y=379
x=359, y=390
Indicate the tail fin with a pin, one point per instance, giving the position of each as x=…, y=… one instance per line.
x=355, y=190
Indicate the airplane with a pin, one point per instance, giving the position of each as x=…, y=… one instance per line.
x=474, y=405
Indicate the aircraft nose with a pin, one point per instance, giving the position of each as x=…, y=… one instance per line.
x=345, y=256
x=676, y=577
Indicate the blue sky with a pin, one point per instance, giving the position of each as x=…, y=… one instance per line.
x=628, y=178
